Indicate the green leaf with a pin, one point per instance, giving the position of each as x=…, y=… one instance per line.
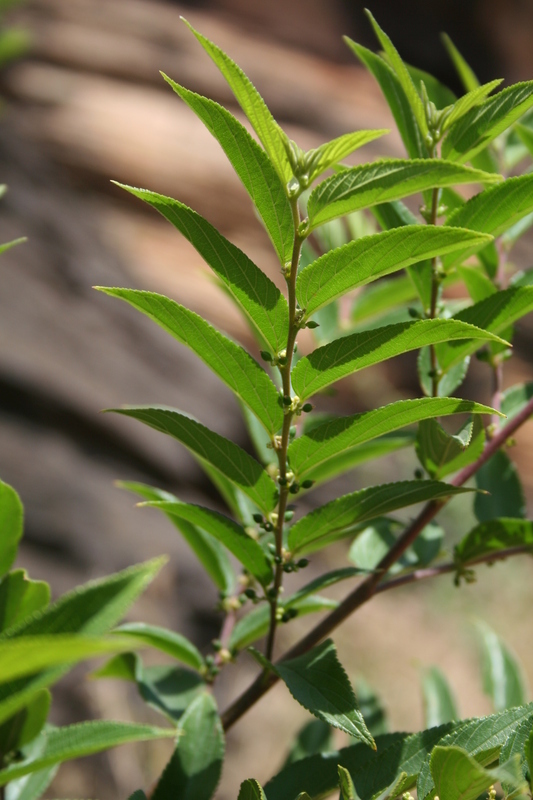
x=33, y=786
x=346, y=785
x=225, y=530
x=468, y=101
x=124, y=667
x=481, y=737
x=13, y=243
x=371, y=708
x=364, y=260
x=492, y=536
x=373, y=542
x=209, y=552
x=331, y=153
x=25, y=725
x=402, y=73
x=233, y=365
x=529, y=757
x=194, y=769
x=251, y=164
x=476, y=129
x=478, y=285
x=352, y=353
x=499, y=477
x=336, y=519
x=251, y=790
x=449, y=381
x=395, y=97
x=515, y=399
x=169, y=690
x=225, y=456
x=138, y=795
x=326, y=441
x=257, y=297
x=384, y=180
x=321, y=583
x=11, y=520
x=437, y=92
x=381, y=297
x=319, y=683
x=270, y=134
x=458, y=776
x=20, y=598
x=494, y=315
x=439, y=702
x=442, y=453
x=503, y=679
x=516, y=745
x=314, y=737
x=466, y=74
x=170, y=642
x=82, y=739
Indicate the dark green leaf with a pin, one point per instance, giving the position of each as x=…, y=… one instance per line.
x=20, y=598
x=322, y=443
x=439, y=702
x=442, y=453
x=225, y=530
x=476, y=129
x=381, y=181
x=257, y=297
x=233, y=365
x=352, y=353
x=336, y=519
x=466, y=74
x=364, y=260
x=210, y=553
x=11, y=520
x=529, y=757
x=458, y=776
x=194, y=769
x=515, y=746
x=500, y=478
x=251, y=790
x=138, y=795
x=169, y=690
x=492, y=536
x=503, y=679
x=314, y=737
x=170, y=642
x=82, y=739
x=26, y=724
x=225, y=456
x=321, y=583
x=270, y=134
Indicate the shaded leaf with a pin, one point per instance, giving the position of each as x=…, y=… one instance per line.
x=503, y=679
x=169, y=690
x=492, y=536
x=499, y=477
x=515, y=399
x=442, y=453
x=25, y=725
x=381, y=297
x=466, y=74
x=170, y=642
x=439, y=702
x=11, y=518
x=374, y=542
x=321, y=583
x=251, y=790
x=20, y=598
x=458, y=776
x=314, y=737
x=371, y=708
x=448, y=382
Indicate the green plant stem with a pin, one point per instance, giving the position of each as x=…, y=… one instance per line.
x=368, y=588
x=285, y=433
x=434, y=298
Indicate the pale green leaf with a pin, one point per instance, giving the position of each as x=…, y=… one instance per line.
x=448, y=382
x=33, y=786
x=468, y=101
x=492, y=536
x=352, y=353
x=251, y=164
x=374, y=541
x=379, y=298
x=233, y=365
x=503, y=679
x=337, y=518
x=209, y=552
x=225, y=530
x=516, y=398
x=442, y=453
x=82, y=739
x=170, y=642
x=316, y=447
x=251, y=790
x=439, y=702
x=331, y=153
x=11, y=521
x=270, y=134
x=458, y=776
x=13, y=243
x=194, y=769
x=257, y=297
x=466, y=74
x=476, y=129
x=478, y=285
x=437, y=92
x=20, y=598
x=364, y=260
x=384, y=180
x=225, y=456
x=499, y=477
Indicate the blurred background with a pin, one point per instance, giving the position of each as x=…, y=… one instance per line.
x=85, y=104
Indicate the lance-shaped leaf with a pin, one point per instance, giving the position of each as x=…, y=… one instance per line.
x=516, y=398
x=326, y=441
x=503, y=679
x=321, y=583
x=11, y=518
x=439, y=702
x=331, y=153
x=165, y=640
x=258, y=298
x=503, y=494
x=251, y=790
x=437, y=92
x=476, y=129
x=402, y=74
x=516, y=745
x=466, y=74
x=481, y=737
x=251, y=164
x=469, y=101
x=347, y=788
x=379, y=298
x=337, y=518
x=233, y=365
x=82, y=739
x=395, y=97
x=458, y=776
x=20, y=597
x=33, y=786
x=12, y=243
x=371, y=771
x=270, y=134
x=169, y=690
x=364, y=260
x=196, y=764
x=352, y=353
x=494, y=315
x=26, y=724
x=224, y=455
x=442, y=453
x=318, y=682
x=233, y=536
x=210, y=553
x=374, y=541
x=493, y=536
x=381, y=181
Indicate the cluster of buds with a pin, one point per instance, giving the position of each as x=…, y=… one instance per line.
x=286, y=559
